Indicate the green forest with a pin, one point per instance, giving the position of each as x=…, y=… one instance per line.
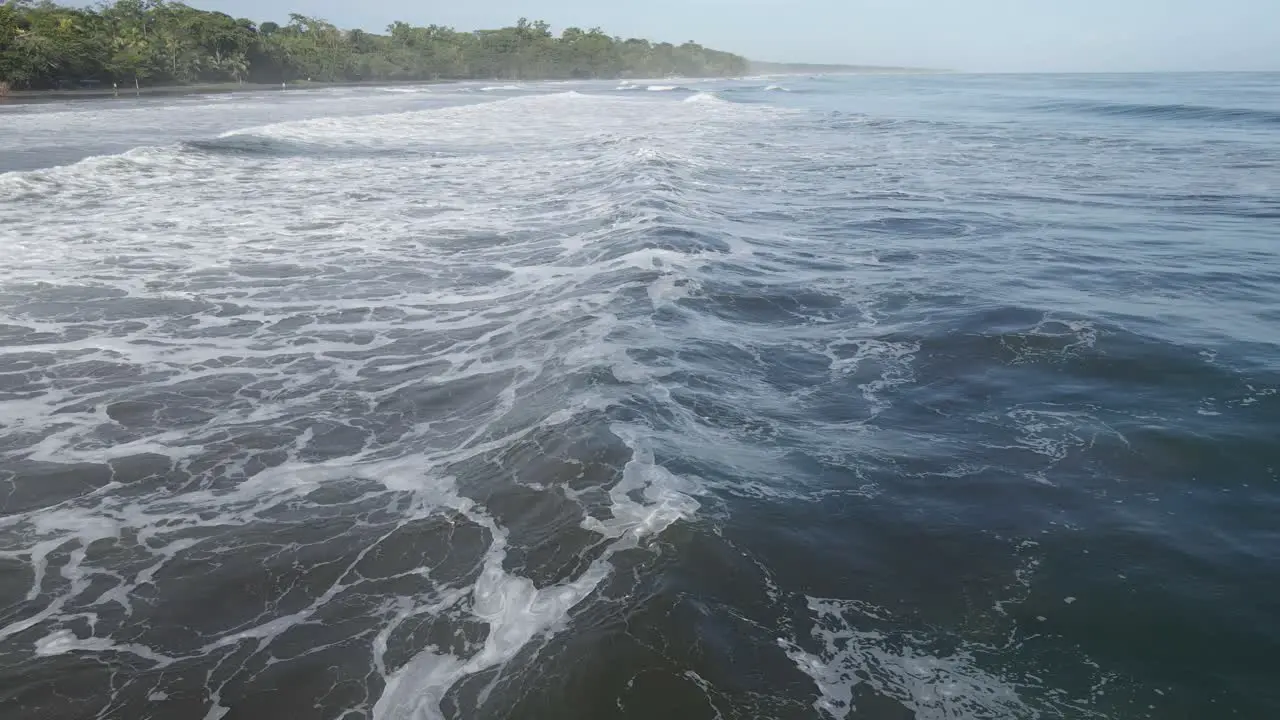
x=131, y=43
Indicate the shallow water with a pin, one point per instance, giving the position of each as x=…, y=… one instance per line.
x=868, y=397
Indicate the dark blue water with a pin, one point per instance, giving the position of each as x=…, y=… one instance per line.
x=872, y=397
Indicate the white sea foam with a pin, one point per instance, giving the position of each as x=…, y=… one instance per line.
x=110, y=127
x=704, y=98
x=64, y=641
x=938, y=678
x=306, y=268
x=514, y=609
x=931, y=686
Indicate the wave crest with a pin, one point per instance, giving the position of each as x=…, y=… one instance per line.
x=1169, y=112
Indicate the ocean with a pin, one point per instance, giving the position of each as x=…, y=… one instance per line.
x=875, y=397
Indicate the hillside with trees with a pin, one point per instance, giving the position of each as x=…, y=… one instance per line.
x=150, y=43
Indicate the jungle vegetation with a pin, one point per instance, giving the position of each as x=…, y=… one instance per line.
x=44, y=45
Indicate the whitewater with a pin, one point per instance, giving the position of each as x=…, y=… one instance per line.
x=789, y=397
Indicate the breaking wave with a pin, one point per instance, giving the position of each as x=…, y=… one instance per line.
x=1171, y=112
x=601, y=403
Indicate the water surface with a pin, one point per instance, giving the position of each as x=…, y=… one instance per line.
x=867, y=397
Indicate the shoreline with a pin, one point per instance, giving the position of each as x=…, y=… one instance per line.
x=101, y=93
x=24, y=96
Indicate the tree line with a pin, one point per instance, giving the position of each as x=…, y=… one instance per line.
x=151, y=42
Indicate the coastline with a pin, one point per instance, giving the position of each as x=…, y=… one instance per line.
x=28, y=96
x=100, y=93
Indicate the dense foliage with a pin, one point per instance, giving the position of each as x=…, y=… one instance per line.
x=45, y=45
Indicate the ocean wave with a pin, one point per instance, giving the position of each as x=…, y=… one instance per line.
x=251, y=144
x=752, y=89
x=255, y=290
x=432, y=132
x=456, y=411
x=1169, y=112
x=706, y=97
x=404, y=90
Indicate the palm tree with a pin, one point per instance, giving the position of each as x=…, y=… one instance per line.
x=236, y=65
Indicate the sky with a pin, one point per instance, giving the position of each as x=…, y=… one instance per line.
x=964, y=35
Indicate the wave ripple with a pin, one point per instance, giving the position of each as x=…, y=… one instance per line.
x=903, y=396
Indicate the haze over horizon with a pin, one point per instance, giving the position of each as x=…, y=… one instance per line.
x=978, y=36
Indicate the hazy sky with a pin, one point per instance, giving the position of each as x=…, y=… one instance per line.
x=977, y=35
